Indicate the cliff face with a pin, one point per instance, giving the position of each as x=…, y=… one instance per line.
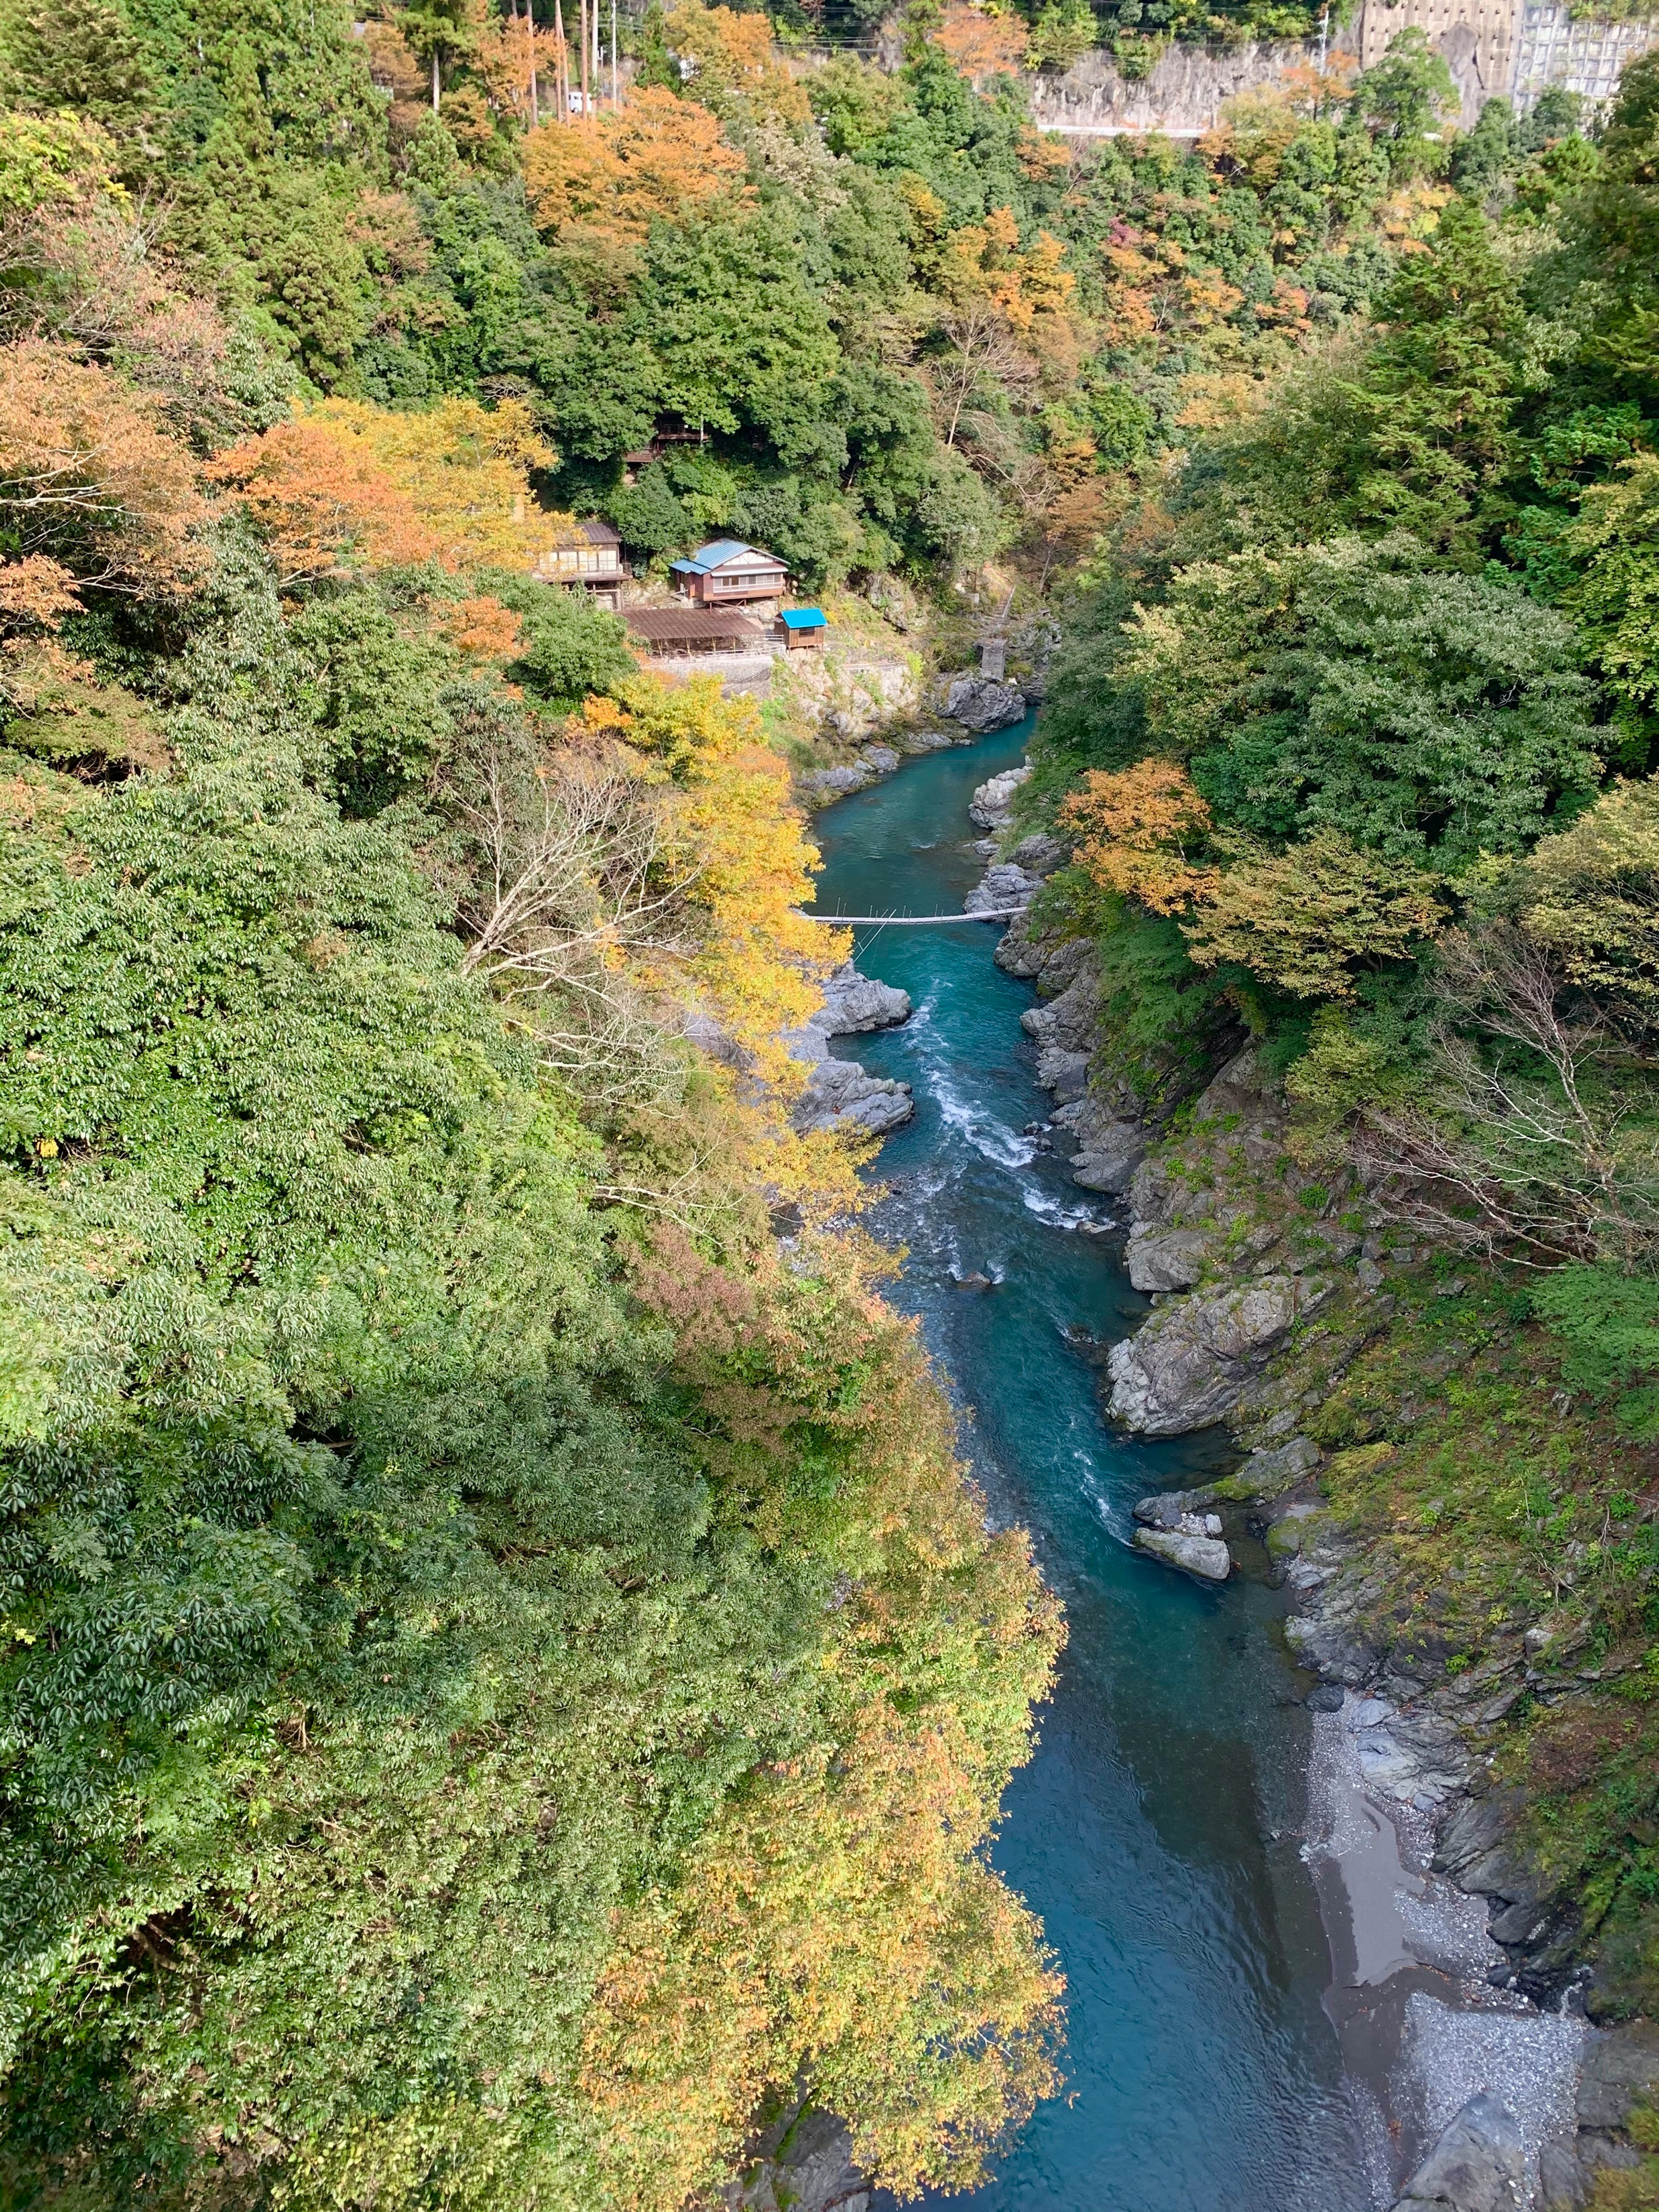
x=1473, y=1549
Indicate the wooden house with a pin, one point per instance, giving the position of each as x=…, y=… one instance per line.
x=592, y=559
x=726, y=574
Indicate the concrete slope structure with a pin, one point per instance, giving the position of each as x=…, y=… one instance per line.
x=1509, y=49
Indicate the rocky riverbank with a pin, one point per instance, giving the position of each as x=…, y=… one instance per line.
x=839, y=1094
x=1282, y=1305
x=957, y=708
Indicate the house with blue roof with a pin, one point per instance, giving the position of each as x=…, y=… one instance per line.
x=726, y=574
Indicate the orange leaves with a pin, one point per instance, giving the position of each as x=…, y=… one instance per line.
x=979, y=43
x=1138, y=824
x=323, y=502
x=481, y=627
x=353, y=486
x=661, y=157
x=983, y=260
x=35, y=594
x=731, y=58
x=505, y=52
x=89, y=478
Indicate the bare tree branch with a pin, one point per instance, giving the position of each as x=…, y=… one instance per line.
x=583, y=887
x=1531, y=1144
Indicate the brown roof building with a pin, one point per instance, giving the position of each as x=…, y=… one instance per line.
x=593, y=559
x=672, y=632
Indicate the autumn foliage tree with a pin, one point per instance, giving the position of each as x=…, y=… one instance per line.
x=1139, y=830
x=754, y=859
x=347, y=485
x=90, y=483
x=839, y=1927
x=659, y=159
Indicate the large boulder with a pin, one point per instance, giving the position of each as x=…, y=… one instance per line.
x=1193, y=1544
x=981, y=703
x=992, y=806
x=1191, y=1361
x=1478, y=2164
x=853, y=1003
x=819, y=786
x=840, y=1095
x=1040, y=854
x=1003, y=887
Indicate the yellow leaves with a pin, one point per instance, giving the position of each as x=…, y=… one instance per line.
x=835, y=1920
x=47, y=158
x=983, y=261
x=1137, y=825
x=1305, y=918
x=1408, y=218
x=348, y=485
x=733, y=65
x=661, y=158
x=756, y=862
x=464, y=469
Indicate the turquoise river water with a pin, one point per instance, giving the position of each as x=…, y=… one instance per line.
x=1156, y=1832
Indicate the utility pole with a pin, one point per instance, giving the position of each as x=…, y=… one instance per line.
x=562, y=64
x=582, y=30
x=615, y=96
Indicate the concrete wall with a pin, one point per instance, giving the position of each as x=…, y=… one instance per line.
x=1182, y=97
x=1512, y=48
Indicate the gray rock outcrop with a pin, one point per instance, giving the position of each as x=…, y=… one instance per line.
x=1194, y=1542
x=980, y=703
x=1111, y=1147
x=992, y=805
x=1528, y=1910
x=853, y=1003
x=808, y=2168
x=1620, y=2070
x=1478, y=2164
x=840, y=1095
x=824, y=784
x=1001, y=887
x=1166, y=1259
x=1192, y=1361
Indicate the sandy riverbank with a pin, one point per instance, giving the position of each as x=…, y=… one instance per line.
x=1422, y=2029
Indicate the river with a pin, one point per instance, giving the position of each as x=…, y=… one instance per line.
x=1156, y=1830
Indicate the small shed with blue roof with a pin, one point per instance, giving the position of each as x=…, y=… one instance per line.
x=728, y=574
x=803, y=626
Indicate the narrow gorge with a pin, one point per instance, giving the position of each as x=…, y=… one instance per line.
x=1246, y=1825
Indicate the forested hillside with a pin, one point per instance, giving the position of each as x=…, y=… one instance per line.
x=505, y=1684
x=1353, y=736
